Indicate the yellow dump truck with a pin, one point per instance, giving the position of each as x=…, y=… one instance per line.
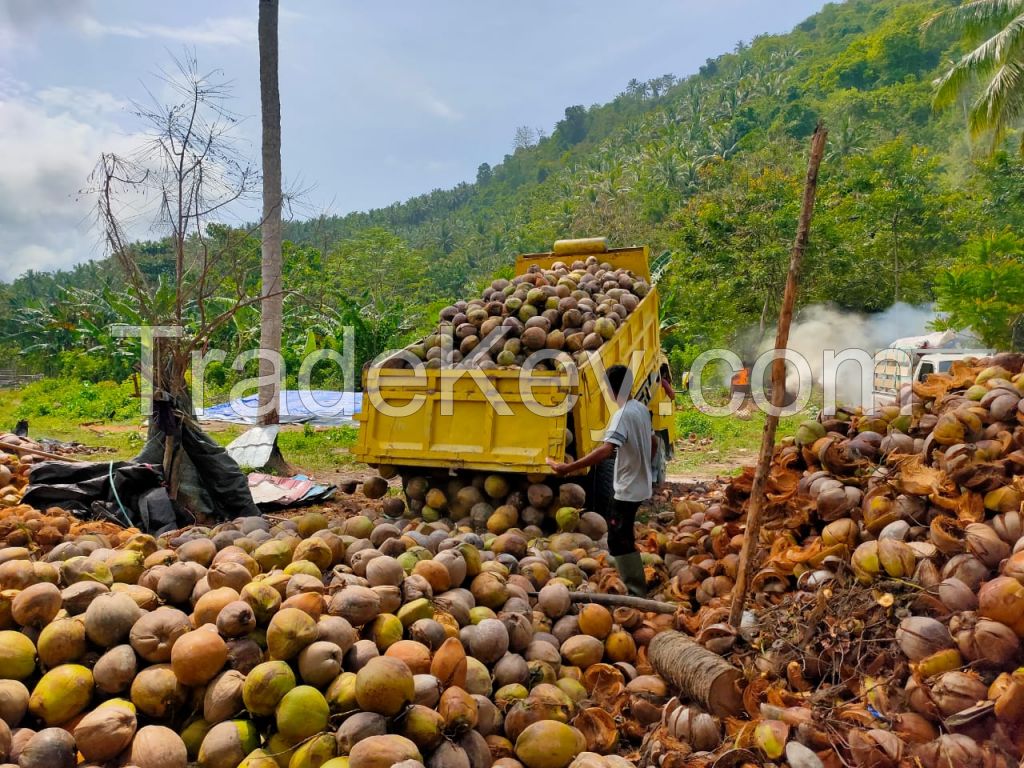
x=450, y=418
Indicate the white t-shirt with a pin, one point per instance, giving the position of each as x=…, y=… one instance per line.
x=630, y=432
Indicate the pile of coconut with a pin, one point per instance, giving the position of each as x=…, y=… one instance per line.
x=887, y=604
x=315, y=641
x=572, y=308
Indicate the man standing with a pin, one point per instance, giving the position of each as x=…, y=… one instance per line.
x=630, y=438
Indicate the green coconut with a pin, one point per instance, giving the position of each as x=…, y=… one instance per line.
x=265, y=686
x=384, y=685
x=290, y=631
x=17, y=656
x=314, y=752
x=61, y=694
x=301, y=713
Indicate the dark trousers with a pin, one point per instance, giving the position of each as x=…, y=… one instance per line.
x=621, y=517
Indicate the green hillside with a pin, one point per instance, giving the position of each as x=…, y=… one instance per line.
x=707, y=168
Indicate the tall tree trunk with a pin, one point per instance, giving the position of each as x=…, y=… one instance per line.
x=272, y=297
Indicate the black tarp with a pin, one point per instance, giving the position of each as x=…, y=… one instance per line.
x=205, y=482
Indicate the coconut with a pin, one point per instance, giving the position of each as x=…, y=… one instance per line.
x=449, y=755
x=549, y=744
x=490, y=641
x=105, y=733
x=458, y=709
x=36, y=606
x=301, y=713
x=198, y=656
x=61, y=642
x=236, y=619
x=61, y=694
x=209, y=606
x=157, y=692
x=290, y=631
x=315, y=752
x=449, y=664
x=357, y=727
x=227, y=744
x=356, y=604
x=554, y=600
x=14, y=698
x=415, y=655
x=341, y=693
x=423, y=726
x=76, y=598
x=262, y=598
x=49, y=748
x=223, y=698
x=383, y=752
x=375, y=487
x=265, y=686
x=320, y=663
x=115, y=669
x=176, y=583
x=384, y=685
x=110, y=617
x=155, y=746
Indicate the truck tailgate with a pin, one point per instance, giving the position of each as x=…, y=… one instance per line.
x=444, y=418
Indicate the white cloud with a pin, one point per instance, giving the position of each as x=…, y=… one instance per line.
x=228, y=30
x=436, y=106
x=50, y=147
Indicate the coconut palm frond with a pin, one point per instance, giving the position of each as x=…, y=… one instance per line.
x=1001, y=102
x=975, y=16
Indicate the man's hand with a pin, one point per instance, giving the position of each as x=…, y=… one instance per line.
x=558, y=467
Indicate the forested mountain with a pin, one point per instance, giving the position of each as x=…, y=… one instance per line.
x=708, y=168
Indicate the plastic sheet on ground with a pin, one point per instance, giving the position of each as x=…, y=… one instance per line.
x=319, y=407
x=269, y=491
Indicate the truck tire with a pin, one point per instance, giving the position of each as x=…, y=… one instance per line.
x=602, y=486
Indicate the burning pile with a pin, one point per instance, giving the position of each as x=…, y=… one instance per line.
x=573, y=308
x=889, y=604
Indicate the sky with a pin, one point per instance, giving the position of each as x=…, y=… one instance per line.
x=380, y=101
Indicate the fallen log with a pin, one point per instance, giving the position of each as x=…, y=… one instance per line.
x=619, y=601
x=696, y=673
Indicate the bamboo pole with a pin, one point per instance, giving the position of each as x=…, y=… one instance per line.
x=757, y=492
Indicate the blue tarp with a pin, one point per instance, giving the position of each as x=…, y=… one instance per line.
x=318, y=407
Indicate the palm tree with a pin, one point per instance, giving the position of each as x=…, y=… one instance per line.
x=998, y=61
x=272, y=305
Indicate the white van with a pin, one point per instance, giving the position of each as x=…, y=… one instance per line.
x=897, y=367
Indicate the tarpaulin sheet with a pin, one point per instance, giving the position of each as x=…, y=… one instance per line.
x=319, y=407
x=269, y=490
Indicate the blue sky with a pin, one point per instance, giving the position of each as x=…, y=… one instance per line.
x=380, y=101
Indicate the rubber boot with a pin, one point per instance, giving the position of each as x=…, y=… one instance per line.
x=631, y=569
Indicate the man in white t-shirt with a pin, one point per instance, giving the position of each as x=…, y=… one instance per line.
x=630, y=438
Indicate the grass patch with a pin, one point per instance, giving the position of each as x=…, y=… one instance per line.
x=710, y=445
x=107, y=415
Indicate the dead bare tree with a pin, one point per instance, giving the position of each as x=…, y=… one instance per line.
x=182, y=179
x=185, y=177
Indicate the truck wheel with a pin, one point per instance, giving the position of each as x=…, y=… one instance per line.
x=602, y=486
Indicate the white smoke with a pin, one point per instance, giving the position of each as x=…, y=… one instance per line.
x=820, y=328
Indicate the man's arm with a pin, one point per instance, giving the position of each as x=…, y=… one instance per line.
x=596, y=456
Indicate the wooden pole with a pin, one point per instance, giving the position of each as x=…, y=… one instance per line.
x=757, y=492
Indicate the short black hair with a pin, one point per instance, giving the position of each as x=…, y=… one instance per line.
x=619, y=376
